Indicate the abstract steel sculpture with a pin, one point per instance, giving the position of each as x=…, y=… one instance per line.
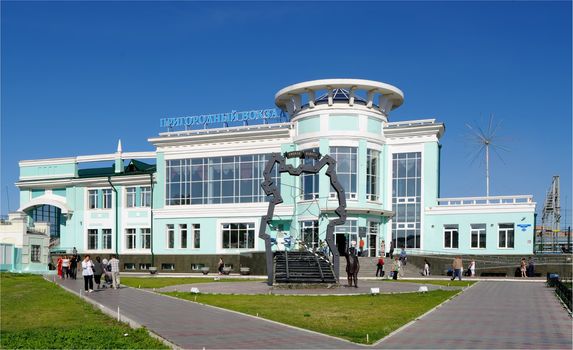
x=271, y=188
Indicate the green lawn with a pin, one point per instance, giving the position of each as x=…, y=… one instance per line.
x=160, y=282
x=455, y=283
x=37, y=314
x=348, y=317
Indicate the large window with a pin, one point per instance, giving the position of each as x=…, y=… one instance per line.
x=234, y=179
x=130, y=197
x=49, y=214
x=346, y=169
x=106, y=198
x=106, y=233
x=35, y=253
x=170, y=235
x=129, y=238
x=478, y=235
x=183, y=235
x=406, y=199
x=92, y=239
x=145, y=236
x=309, y=233
x=146, y=196
x=451, y=236
x=309, y=182
x=506, y=235
x=241, y=236
x=372, y=173
x=196, y=235
x=93, y=199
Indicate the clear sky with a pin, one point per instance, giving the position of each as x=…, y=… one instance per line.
x=78, y=76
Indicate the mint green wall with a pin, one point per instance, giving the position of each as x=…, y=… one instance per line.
x=63, y=170
x=37, y=193
x=433, y=237
x=374, y=126
x=430, y=175
x=309, y=125
x=59, y=192
x=342, y=123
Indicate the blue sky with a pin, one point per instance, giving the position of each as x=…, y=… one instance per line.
x=77, y=76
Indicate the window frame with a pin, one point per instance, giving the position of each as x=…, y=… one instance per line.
x=145, y=237
x=506, y=230
x=183, y=236
x=130, y=237
x=475, y=229
x=92, y=233
x=196, y=231
x=107, y=233
x=145, y=197
x=170, y=236
x=130, y=197
x=232, y=229
x=107, y=198
x=453, y=229
x=36, y=253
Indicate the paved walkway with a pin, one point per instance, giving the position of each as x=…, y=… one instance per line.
x=509, y=315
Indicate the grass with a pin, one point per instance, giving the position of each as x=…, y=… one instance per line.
x=37, y=314
x=160, y=282
x=348, y=317
x=455, y=283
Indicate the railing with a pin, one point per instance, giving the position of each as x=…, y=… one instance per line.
x=563, y=290
x=521, y=199
x=411, y=123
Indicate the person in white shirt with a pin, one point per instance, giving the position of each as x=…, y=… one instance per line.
x=88, y=273
x=65, y=267
x=114, y=263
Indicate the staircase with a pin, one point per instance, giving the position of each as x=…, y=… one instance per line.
x=302, y=267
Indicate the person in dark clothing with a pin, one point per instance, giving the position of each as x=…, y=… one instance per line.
x=392, y=250
x=98, y=271
x=531, y=267
x=380, y=267
x=74, y=266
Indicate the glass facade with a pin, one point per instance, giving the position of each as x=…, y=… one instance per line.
x=346, y=169
x=309, y=182
x=406, y=199
x=372, y=174
x=238, y=236
x=215, y=180
x=50, y=214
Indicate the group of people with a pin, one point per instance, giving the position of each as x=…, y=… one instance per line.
x=397, y=266
x=92, y=271
x=67, y=266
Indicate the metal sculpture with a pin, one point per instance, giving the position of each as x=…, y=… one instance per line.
x=352, y=267
x=270, y=188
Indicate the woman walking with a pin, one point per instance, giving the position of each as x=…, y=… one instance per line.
x=88, y=273
x=59, y=264
x=98, y=271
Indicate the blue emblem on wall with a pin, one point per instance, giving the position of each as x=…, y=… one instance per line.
x=523, y=227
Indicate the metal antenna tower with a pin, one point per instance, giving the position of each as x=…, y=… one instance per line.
x=551, y=216
x=486, y=138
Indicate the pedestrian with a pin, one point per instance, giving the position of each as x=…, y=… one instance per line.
x=395, y=268
x=98, y=271
x=391, y=249
x=380, y=266
x=426, y=268
x=523, y=267
x=361, y=246
x=88, y=273
x=114, y=263
x=74, y=251
x=59, y=264
x=531, y=267
x=220, y=265
x=65, y=267
x=74, y=266
x=457, y=266
x=403, y=257
x=472, y=268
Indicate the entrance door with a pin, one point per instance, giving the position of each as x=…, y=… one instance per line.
x=341, y=243
x=371, y=245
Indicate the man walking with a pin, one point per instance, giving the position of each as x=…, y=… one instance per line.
x=114, y=263
x=457, y=265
